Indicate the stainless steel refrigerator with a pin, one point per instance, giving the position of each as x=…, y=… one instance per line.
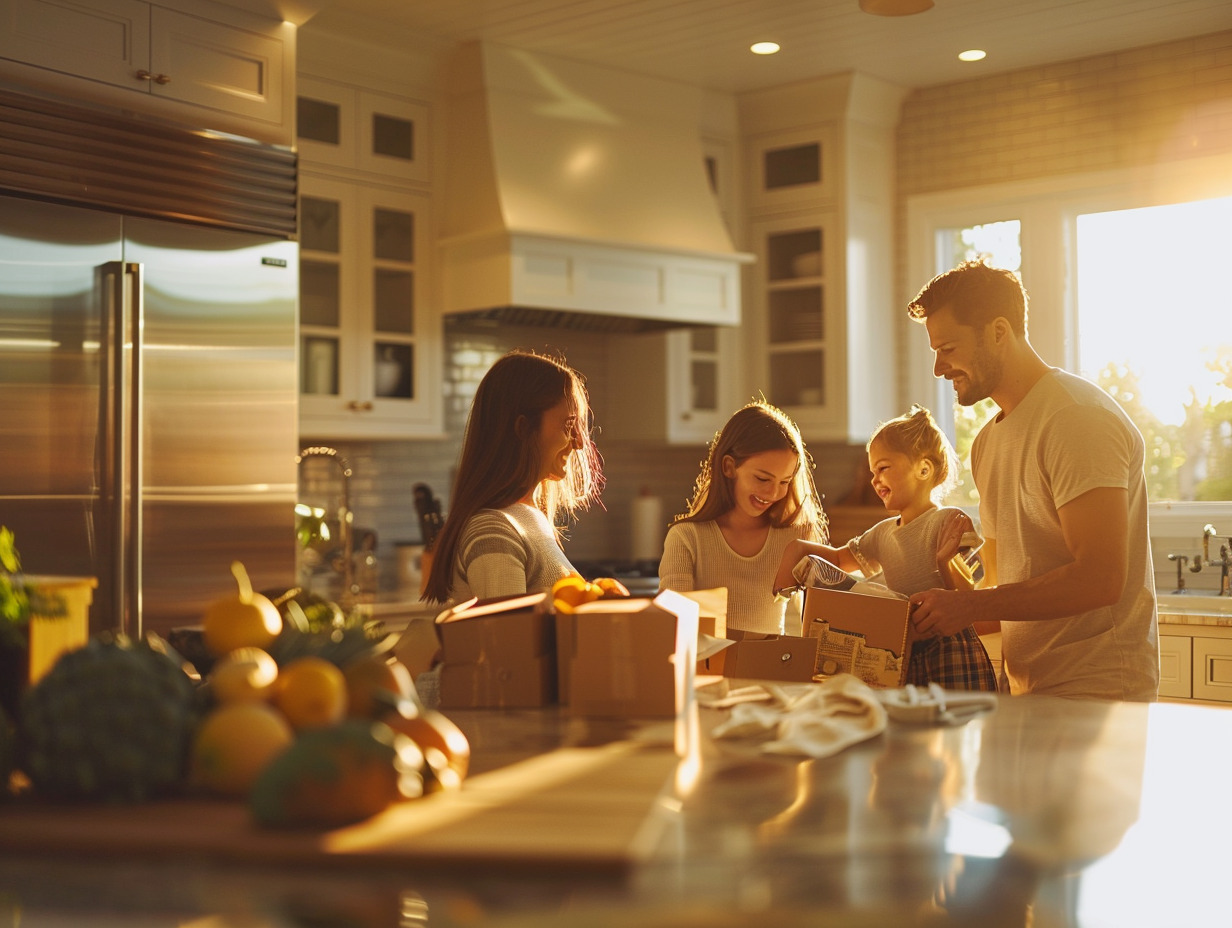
x=148, y=406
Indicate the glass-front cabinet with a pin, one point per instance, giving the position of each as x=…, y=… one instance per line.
x=803, y=357
x=368, y=345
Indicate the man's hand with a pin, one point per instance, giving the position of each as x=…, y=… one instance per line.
x=941, y=613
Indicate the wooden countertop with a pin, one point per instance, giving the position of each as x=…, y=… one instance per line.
x=1045, y=812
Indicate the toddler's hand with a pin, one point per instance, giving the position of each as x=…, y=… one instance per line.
x=950, y=538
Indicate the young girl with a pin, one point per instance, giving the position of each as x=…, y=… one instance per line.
x=912, y=461
x=527, y=460
x=753, y=498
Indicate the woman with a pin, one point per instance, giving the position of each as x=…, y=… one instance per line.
x=527, y=463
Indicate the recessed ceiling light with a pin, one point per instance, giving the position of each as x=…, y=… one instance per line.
x=764, y=48
x=972, y=54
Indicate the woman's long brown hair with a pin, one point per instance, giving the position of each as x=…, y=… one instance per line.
x=752, y=429
x=499, y=463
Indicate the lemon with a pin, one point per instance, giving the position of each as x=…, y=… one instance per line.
x=244, y=675
x=233, y=746
x=244, y=620
x=311, y=693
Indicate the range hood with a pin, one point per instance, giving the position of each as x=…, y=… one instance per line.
x=578, y=197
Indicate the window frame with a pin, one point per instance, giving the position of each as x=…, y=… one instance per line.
x=1048, y=210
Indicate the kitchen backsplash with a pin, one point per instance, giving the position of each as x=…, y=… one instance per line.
x=385, y=472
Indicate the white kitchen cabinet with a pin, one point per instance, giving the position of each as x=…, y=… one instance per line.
x=1175, y=666
x=800, y=326
x=678, y=386
x=819, y=160
x=370, y=347
x=362, y=130
x=792, y=169
x=201, y=63
x=1195, y=662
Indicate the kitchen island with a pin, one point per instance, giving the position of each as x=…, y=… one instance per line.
x=1043, y=812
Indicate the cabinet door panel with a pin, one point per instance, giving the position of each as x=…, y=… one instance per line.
x=1175, y=666
x=1212, y=669
x=104, y=40
x=216, y=65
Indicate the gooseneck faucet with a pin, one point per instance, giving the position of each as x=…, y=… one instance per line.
x=349, y=588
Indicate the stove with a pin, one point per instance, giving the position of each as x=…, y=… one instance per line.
x=641, y=577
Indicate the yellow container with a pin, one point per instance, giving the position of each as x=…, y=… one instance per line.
x=51, y=635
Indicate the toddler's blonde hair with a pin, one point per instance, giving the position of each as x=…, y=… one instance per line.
x=918, y=436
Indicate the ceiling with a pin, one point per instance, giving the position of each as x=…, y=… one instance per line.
x=705, y=42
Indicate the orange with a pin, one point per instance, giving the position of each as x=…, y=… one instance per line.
x=233, y=746
x=244, y=675
x=368, y=675
x=311, y=692
x=571, y=591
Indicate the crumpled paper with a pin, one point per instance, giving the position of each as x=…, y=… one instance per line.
x=812, y=720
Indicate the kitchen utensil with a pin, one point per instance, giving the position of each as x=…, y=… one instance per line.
x=429, y=509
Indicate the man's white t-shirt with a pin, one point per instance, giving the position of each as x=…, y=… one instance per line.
x=1065, y=438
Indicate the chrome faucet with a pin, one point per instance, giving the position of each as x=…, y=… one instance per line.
x=1180, y=566
x=349, y=587
x=1204, y=559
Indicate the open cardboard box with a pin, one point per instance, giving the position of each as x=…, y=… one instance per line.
x=758, y=656
x=498, y=653
x=628, y=657
x=862, y=634
x=751, y=655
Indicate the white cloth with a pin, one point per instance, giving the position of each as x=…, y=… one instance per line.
x=906, y=555
x=1065, y=438
x=813, y=720
x=696, y=556
x=504, y=552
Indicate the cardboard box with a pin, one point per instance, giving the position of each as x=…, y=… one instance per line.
x=628, y=657
x=498, y=653
x=758, y=656
x=868, y=636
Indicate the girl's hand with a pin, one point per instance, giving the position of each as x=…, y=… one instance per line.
x=783, y=578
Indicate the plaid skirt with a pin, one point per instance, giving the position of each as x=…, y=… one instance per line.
x=957, y=662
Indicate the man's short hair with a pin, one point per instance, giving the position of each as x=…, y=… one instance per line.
x=977, y=293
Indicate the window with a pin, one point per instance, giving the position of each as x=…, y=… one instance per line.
x=1134, y=293
x=1155, y=331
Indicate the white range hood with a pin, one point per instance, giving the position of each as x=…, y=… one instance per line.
x=578, y=196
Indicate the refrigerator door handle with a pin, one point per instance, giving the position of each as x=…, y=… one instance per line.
x=121, y=409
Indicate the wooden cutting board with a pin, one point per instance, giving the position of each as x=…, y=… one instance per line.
x=592, y=808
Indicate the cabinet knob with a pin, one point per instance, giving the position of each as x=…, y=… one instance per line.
x=358, y=406
x=144, y=75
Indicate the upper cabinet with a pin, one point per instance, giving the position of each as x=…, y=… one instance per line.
x=821, y=317
x=199, y=63
x=371, y=343
x=362, y=130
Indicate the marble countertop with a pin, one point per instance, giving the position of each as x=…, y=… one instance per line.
x=1045, y=812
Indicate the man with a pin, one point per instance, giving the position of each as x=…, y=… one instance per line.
x=1063, y=504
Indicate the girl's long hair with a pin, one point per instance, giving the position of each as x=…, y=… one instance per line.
x=499, y=463
x=752, y=429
